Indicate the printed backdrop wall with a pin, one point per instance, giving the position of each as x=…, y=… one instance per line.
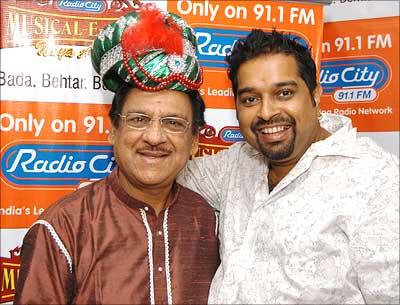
x=54, y=108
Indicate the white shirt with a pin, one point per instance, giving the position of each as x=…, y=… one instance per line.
x=327, y=233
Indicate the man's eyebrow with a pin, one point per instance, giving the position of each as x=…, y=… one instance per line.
x=276, y=85
x=175, y=115
x=166, y=115
x=245, y=90
x=286, y=83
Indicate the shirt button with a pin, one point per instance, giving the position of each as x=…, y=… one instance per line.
x=160, y=269
x=146, y=209
x=160, y=233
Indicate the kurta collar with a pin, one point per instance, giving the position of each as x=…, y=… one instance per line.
x=130, y=201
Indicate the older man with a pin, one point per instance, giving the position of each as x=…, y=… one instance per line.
x=309, y=214
x=135, y=237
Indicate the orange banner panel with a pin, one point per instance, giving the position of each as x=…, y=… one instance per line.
x=360, y=72
x=47, y=154
x=218, y=24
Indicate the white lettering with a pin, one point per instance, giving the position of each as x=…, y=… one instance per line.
x=353, y=75
x=9, y=122
x=213, y=49
x=327, y=77
x=106, y=169
x=198, y=9
x=229, y=134
x=31, y=165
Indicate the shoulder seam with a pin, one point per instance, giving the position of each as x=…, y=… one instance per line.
x=58, y=241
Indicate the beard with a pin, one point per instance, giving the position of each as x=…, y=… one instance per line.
x=278, y=150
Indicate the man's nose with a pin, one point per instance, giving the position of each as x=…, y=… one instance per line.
x=268, y=109
x=154, y=134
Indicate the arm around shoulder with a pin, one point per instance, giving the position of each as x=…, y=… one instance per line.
x=207, y=175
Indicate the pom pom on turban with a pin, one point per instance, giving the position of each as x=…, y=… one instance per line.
x=149, y=49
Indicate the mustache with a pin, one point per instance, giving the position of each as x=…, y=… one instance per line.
x=154, y=148
x=259, y=122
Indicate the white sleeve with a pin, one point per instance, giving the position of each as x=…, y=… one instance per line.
x=208, y=175
x=374, y=246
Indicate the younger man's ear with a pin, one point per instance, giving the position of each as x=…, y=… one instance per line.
x=195, y=143
x=317, y=94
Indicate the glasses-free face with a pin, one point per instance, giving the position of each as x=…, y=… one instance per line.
x=141, y=121
x=275, y=109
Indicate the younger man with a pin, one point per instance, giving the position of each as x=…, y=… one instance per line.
x=309, y=213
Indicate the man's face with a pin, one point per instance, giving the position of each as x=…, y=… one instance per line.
x=152, y=158
x=275, y=109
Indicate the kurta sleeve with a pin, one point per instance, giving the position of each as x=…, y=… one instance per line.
x=46, y=273
x=374, y=245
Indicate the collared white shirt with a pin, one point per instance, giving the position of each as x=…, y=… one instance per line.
x=327, y=233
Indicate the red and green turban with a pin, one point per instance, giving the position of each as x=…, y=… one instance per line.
x=149, y=49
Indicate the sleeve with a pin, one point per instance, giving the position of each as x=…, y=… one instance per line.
x=207, y=176
x=46, y=273
x=374, y=246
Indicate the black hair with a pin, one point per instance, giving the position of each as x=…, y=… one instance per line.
x=259, y=43
x=196, y=101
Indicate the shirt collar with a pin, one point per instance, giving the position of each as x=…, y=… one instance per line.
x=340, y=142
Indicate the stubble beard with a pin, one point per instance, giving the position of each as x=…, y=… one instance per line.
x=277, y=151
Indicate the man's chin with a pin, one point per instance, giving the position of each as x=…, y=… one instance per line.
x=277, y=152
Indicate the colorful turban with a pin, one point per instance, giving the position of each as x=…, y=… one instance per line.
x=149, y=49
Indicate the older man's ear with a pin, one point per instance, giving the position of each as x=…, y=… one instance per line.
x=111, y=136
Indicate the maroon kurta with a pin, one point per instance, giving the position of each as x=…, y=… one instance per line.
x=98, y=245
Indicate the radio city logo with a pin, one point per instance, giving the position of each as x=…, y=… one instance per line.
x=214, y=44
x=95, y=6
x=39, y=165
x=230, y=134
x=354, y=80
